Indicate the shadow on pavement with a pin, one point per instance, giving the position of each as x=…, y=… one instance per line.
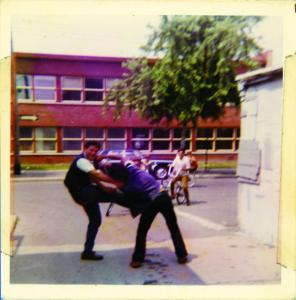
x=160, y=267
x=200, y=186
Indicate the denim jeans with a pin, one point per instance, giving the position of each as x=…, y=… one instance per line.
x=164, y=205
x=89, y=198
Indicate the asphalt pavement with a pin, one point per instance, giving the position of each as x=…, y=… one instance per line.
x=51, y=228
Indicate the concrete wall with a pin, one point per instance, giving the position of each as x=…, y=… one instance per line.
x=261, y=121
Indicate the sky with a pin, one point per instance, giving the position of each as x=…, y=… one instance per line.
x=109, y=35
x=105, y=35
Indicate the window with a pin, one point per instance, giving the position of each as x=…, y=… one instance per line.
x=24, y=87
x=140, y=138
x=44, y=87
x=225, y=139
x=224, y=132
x=217, y=139
x=71, y=88
x=177, y=138
x=204, y=139
x=110, y=82
x=94, y=133
x=72, y=139
x=40, y=139
x=116, y=138
x=205, y=133
x=161, y=139
x=93, y=89
x=204, y=145
x=45, y=139
x=35, y=87
x=26, y=139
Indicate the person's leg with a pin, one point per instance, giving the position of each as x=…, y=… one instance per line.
x=173, y=182
x=172, y=187
x=185, y=188
x=94, y=215
x=145, y=222
x=89, y=197
x=167, y=210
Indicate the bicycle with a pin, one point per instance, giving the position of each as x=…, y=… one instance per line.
x=179, y=192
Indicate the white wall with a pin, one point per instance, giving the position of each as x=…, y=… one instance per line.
x=262, y=121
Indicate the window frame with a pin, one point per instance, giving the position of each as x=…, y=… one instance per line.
x=54, y=89
x=31, y=139
x=100, y=90
x=24, y=87
x=121, y=139
x=54, y=139
x=71, y=101
x=58, y=89
x=234, y=139
x=179, y=139
x=34, y=139
x=145, y=139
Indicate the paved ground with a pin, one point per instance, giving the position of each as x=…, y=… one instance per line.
x=51, y=228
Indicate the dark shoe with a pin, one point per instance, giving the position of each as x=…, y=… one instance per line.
x=135, y=264
x=182, y=260
x=90, y=256
x=188, y=203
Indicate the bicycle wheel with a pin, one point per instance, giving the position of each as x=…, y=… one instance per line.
x=180, y=196
x=165, y=183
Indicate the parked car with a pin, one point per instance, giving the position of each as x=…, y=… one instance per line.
x=134, y=155
x=157, y=168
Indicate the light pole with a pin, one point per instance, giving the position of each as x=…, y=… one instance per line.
x=206, y=156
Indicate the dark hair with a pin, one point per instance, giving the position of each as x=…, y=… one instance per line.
x=117, y=172
x=181, y=149
x=92, y=143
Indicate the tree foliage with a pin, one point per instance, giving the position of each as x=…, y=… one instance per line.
x=195, y=73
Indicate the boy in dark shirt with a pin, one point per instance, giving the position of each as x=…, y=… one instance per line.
x=143, y=196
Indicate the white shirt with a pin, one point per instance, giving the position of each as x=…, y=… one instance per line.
x=180, y=165
x=84, y=165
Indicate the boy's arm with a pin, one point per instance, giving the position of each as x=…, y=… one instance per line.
x=98, y=176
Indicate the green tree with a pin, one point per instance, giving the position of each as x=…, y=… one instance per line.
x=194, y=75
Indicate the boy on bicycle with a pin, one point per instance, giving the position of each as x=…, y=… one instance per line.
x=181, y=165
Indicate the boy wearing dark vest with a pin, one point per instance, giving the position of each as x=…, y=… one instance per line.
x=85, y=183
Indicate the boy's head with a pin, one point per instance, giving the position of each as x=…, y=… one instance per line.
x=181, y=152
x=117, y=172
x=90, y=149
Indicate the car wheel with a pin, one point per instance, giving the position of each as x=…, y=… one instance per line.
x=161, y=172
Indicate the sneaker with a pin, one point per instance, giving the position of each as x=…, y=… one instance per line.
x=90, y=256
x=182, y=260
x=135, y=264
